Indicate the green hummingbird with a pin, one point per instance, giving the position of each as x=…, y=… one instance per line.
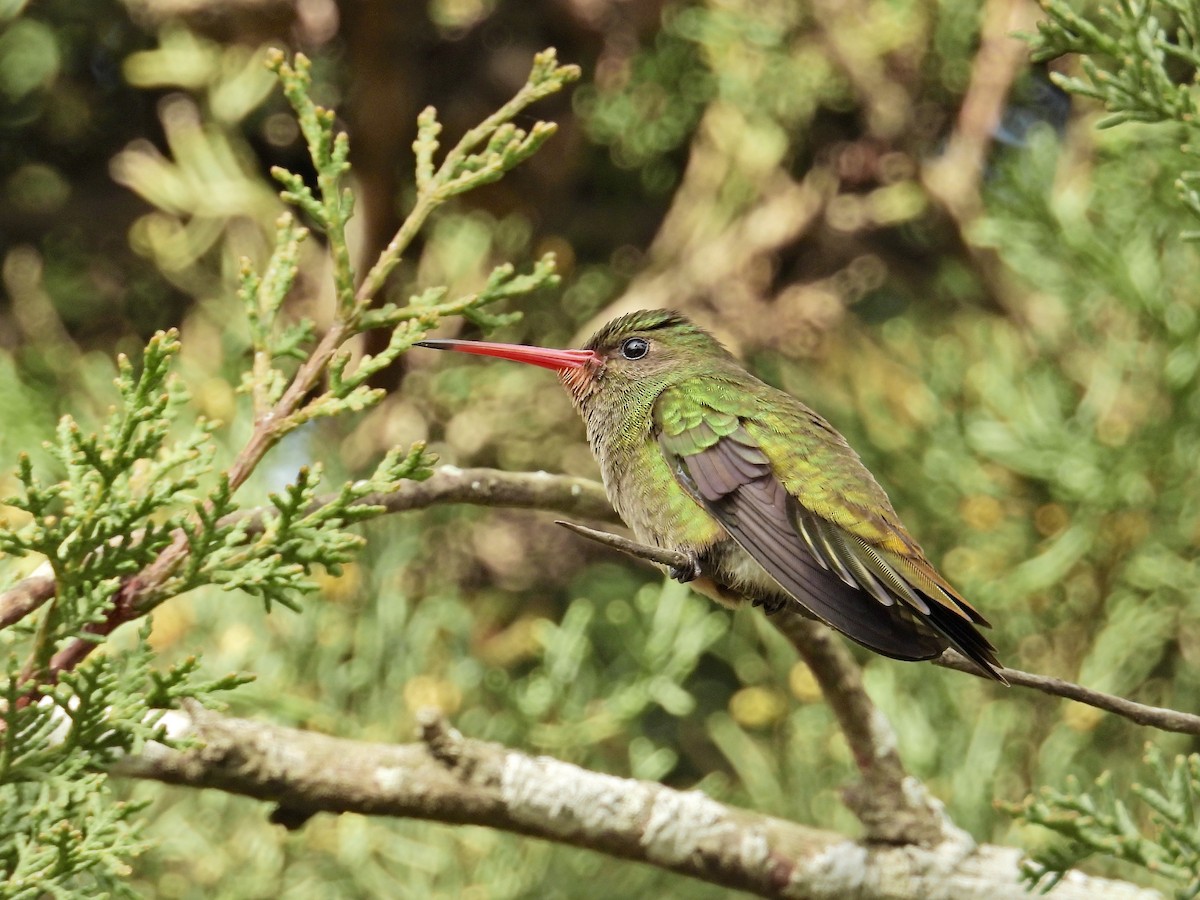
x=766, y=499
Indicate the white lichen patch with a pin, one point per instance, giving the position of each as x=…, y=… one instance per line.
x=682, y=825
x=388, y=778
x=567, y=800
x=452, y=471
x=280, y=759
x=883, y=735
x=837, y=871
x=178, y=724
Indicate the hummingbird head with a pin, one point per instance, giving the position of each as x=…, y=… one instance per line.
x=635, y=357
x=642, y=353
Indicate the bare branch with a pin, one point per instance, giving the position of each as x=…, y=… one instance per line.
x=27, y=595
x=586, y=498
x=451, y=778
x=1154, y=716
x=668, y=558
x=492, y=487
x=703, y=249
x=448, y=484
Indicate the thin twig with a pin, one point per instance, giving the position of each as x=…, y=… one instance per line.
x=1155, y=716
x=669, y=558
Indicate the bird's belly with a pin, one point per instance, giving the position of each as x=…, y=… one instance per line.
x=739, y=572
x=672, y=520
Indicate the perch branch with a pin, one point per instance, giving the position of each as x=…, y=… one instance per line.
x=1155, y=716
x=668, y=558
x=447, y=777
x=1139, y=713
x=492, y=487
x=584, y=497
x=893, y=807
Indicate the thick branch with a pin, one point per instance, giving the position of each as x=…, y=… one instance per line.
x=449, y=778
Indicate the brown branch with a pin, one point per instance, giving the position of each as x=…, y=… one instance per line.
x=668, y=558
x=450, y=778
x=492, y=487
x=448, y=484
x=27, y=595
x=706, y=248
x=893, y=807
x=953, y=179
x=1139, y=713
x=1154, y=716
x=886, y=100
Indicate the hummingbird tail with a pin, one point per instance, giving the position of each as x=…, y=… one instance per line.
x=966, y=639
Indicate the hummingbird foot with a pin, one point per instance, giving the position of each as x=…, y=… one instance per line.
x=770, y=605
x=690, y=571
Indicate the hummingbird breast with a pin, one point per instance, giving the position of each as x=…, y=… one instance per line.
x=640, y=485
x=650, y=500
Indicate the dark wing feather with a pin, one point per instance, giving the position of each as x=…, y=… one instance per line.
x=733, y=479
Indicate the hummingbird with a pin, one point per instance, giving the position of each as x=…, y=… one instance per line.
x=765, y=498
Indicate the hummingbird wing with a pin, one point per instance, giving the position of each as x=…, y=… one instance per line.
x=827, y=534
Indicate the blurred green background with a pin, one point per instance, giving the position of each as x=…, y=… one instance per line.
x=1023, y=378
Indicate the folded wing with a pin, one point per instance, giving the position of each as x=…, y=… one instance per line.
x=894, y=604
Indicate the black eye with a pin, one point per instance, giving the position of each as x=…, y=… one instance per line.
x=634, y=348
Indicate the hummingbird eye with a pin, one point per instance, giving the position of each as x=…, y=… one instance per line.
x=634, y=348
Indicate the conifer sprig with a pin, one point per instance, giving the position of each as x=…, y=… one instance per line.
x=137, y=513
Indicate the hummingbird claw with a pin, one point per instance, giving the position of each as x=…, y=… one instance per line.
x=689, y=572
x=770, y=605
